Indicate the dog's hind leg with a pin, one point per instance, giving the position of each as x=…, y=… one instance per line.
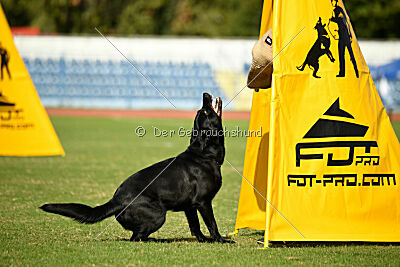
x=142, y=219
x=194, y=224
x=316, y=68
x=147, y=225
x=301, y=68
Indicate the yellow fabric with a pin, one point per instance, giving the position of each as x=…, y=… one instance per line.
x=25, y=129
x=251, y=208
x=322, y=201
x=341, y=192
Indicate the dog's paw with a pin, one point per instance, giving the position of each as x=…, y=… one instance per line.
x=203, y=239
x=226, y=241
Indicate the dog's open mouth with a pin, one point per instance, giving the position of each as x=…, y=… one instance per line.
x=217, y=106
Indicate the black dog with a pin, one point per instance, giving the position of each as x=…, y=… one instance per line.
x=186, y=183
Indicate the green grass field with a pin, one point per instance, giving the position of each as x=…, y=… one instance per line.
x=100, y=154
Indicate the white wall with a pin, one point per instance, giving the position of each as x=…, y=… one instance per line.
x=222, y=54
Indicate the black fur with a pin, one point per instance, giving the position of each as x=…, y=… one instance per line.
x=186, y=183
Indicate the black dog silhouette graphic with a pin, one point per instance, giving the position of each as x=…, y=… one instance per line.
x=5, y=104
x=5, y=58
x=320, y=48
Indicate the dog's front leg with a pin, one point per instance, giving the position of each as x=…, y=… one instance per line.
x=207, y=213
x=194, y=224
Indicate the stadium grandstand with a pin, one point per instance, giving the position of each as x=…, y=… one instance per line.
x=89, y=73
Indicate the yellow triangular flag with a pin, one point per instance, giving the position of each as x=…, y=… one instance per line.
x=334, y=162
x=25, y=129
x=332, y=158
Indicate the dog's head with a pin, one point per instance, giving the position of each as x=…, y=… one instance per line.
x=319, y=24
x=207, y=134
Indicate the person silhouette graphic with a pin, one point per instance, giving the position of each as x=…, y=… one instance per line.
x=345, y=37
x=5, y=58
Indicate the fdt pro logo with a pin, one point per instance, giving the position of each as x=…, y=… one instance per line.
x=339, y=129
x=335, y=128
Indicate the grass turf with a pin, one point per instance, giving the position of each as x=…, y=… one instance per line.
x=101, y=153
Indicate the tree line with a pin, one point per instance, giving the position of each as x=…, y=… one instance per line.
x=212, y=18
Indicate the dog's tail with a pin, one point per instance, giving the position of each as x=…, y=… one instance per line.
x=301, y=68
x=83, y=213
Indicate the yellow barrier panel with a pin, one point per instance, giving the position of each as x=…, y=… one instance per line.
x=332, y=155
x=25, y=129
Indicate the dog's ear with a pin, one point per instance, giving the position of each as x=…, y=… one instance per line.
x=203, y=139
x=199, y=139
x=195, y=129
